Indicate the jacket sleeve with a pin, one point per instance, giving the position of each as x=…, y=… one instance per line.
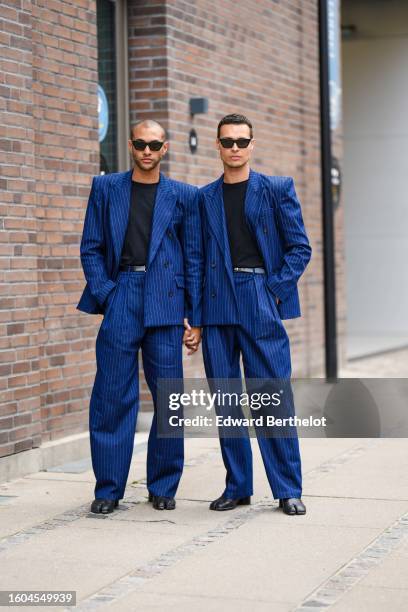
x=296, y=248
x=92, y=247
x=193, y=257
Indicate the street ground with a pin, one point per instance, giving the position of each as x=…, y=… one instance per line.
x=349, y=552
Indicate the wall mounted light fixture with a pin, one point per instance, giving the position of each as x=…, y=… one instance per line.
x=198, y=106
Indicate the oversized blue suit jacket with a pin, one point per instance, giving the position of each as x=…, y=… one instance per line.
x=273, y=214
x=173, y=283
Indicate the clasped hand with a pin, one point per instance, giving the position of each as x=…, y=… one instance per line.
x=191, y=337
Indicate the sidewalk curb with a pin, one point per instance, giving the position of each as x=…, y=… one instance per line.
x=50, y=454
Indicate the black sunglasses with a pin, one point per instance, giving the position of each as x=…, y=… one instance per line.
x=228, y=143
x=154, y=145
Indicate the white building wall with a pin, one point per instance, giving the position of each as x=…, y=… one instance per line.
x=375, y=174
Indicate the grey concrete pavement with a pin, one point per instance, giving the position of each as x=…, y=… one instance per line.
x=140, y=559
x=349, y=552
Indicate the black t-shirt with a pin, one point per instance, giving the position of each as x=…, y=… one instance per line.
x=136, y=245
x=243, y=246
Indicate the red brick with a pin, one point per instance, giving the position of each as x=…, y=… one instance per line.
x=260, y=59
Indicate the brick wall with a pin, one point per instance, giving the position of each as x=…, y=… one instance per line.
x=148, y=57
x=67, y=155
x=20, y=425
x=49, y=152
x=258, y=58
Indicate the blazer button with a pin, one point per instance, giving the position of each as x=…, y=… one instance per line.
x=213, y=295
x=166, y=264
x=170, y=294
x=213, y=264
x=265, y=229
x=170, y=235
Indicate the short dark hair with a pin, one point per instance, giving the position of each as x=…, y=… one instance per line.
x=236, y=119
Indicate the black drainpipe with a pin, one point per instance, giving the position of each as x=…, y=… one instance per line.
x=328, y=210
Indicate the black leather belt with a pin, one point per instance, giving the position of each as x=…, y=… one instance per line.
x=252, y=270
x=133, y=268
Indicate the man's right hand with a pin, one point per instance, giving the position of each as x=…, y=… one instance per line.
x=191, y=338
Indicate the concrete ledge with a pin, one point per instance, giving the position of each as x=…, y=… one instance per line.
x=57, y=452
x=64, y=450
x=20, y=464
x=46, y=456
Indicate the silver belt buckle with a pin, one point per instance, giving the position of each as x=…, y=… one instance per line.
x=251, y=270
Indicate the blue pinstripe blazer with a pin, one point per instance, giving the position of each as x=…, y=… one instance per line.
x=173, y=284
x=273, y=214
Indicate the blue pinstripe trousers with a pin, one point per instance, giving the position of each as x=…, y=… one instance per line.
x=115, y=395
x=264, y=344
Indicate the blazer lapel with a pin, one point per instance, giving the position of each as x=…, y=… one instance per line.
x=119, y=207
x=215, y=209
x=216, y=214
x=217, y=220
x=162, y=214
x=253, y=200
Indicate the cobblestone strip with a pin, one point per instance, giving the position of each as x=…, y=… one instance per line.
x=53, y=523
x=139, y=576
x=144, y=573
x=329, y=466
x=76, y=513
x=333, y=589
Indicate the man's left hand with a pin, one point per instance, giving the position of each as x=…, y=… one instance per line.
x=191, y=338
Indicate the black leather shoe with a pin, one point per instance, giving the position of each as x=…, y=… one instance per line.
x=292, y=505
x=162, y=503
x=225, y=503
x=104, y=506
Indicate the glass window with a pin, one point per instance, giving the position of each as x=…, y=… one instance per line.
x=107, y=89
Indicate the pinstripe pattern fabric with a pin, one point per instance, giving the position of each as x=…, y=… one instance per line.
x=175, y=263
x=240, y=316
x=274, y=215
x=115, y=394
x=264, y=344
x=141, y=311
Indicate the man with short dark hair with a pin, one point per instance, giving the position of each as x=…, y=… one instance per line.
x=256, y=248
x=141, y=254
